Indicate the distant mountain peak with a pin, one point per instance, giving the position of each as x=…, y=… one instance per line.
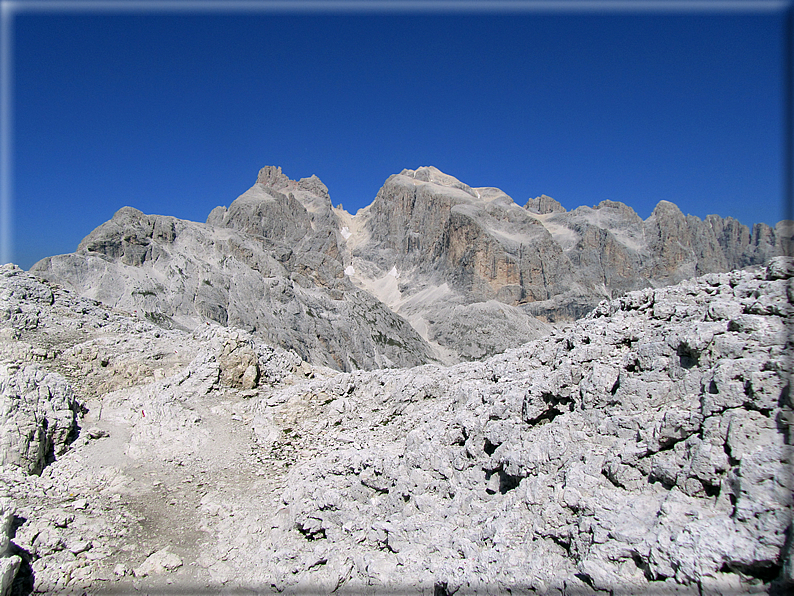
x=433, y=175
x=544, y=204
x=273, y=178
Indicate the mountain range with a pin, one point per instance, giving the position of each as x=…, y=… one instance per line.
x=433, y=270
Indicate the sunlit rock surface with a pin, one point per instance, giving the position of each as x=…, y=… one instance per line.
x=642, y=449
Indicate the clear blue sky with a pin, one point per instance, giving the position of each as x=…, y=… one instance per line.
x=175, y=113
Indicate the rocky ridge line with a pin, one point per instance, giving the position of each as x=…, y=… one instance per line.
x=432, y=270
x=433, y=230
x=267, y=265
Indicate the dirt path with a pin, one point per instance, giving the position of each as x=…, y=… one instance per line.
x=207, y=508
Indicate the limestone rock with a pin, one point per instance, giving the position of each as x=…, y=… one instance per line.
x=481, y=329
x=430, y=232
x=544, y=204
x=8, y=569
x=146, y=394
x=446, y=244
x=636, y=450
x=39, y=412
x=641, y=449
x=282, y=262
x=162, y=561
x=9, y=562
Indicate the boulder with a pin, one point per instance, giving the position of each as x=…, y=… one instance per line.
x=38, y=416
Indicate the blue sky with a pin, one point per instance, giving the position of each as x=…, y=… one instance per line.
x=174, y=113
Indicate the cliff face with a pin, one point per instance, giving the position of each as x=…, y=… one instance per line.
x=612, y=242
x=461, y=246
x=429, y=223
x=487, y=247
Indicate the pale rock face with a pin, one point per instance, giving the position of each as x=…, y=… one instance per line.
x=272, y=177
x=39, y=409
x=440, y=231
x=160, y=562
x=39, y=416
x=9, y=562
x=544, y=204
x=480, y=329
x=547, y=262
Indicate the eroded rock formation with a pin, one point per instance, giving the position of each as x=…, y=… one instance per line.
x=445, y=242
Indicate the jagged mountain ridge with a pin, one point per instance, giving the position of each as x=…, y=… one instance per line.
x=472, y=272
x=293, y=294
x=487, y=247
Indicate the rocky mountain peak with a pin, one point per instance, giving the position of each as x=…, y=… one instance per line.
x=667, y=209
x=272, y=177
x=544, y=204
x=313, y=185
x=279, y=209
x=435, y=176
x=131, y=236
x=620, y=208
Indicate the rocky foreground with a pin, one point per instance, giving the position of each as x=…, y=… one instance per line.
x=643, y=449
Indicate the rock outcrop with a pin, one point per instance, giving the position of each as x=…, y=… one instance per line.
x=39, y=416
x=9, y=562
x=644, y=448
x=614, y=251
x=39, y=410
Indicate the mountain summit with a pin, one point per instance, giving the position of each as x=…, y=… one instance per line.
x=452, y=258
